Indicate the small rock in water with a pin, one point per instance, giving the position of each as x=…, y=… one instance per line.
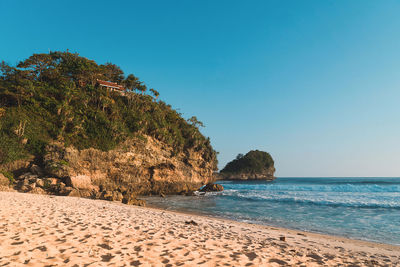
x=212, y=188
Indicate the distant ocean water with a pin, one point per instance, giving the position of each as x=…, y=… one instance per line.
x=359, y=208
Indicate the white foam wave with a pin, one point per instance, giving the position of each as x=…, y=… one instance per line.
x=347, y=199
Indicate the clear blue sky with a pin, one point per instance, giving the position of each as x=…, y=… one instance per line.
x=315, y=83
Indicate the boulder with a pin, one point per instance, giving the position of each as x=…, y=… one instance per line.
x=212, y=188
x=32, y=179
x=130, y=199
x=40, y=183
x=61, y=185
x=22, y=185
x=134, y=201
x=80, y=193
x=27, y=176
x=38, y=190
x=50, y=181
x=23, y=188
x=65, y=191
x=80, y=182
x=30, y=187
x=111, y=195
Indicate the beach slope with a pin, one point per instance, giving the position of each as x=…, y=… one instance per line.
x=39, y=230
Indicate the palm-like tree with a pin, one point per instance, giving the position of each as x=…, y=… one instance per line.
x=155, y=93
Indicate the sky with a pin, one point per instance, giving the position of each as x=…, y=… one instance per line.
x=314, y=83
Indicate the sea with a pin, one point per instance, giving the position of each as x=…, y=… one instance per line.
x=357, y=208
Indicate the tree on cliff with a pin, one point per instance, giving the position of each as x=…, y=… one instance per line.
x=195, y=122
x=112, y=72
x=254, y=161
x=54, y=97
x=155, y=93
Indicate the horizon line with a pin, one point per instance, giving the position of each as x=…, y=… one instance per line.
x=337, y=176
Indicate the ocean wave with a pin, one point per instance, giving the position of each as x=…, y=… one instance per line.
x=364, y=200
x=345, y=187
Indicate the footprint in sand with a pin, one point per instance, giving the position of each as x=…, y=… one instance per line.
x=280, y=262
x=135, y=263
x=105, y=246
x=107, y=257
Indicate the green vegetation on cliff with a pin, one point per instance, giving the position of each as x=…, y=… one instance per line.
x=55, y=96
x=254, y=161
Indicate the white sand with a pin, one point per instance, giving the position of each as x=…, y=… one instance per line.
x=39, y=230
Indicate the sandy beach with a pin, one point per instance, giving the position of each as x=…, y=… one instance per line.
x=41, y=230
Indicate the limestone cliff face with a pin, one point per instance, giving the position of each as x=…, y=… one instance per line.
x=137, y=167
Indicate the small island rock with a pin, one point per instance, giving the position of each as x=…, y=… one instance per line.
x=255, y=165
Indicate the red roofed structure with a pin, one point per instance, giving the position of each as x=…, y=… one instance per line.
x=112, y=86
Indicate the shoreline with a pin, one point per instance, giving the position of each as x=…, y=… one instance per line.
x=45, y=230
x=325, y=235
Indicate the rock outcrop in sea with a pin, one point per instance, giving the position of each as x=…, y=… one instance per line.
x=255, y=165
x=212, y=188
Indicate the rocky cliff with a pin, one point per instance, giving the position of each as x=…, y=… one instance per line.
x=139, y=166
x=63, y=132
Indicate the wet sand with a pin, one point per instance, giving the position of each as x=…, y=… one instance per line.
x=41, y=230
